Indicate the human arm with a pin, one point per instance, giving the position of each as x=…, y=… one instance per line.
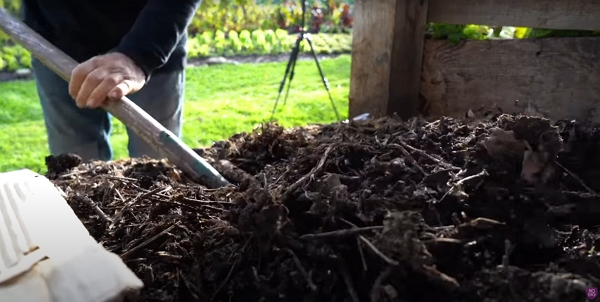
x=146, y=47
x=156, y=32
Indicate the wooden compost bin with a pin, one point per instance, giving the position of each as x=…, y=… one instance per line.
x=396, y=70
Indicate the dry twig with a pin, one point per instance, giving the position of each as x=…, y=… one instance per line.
x=439, y=161
x=94, y=207
x=362, y=255
x=75, y=173
x=203, y=203
x=119, y=194
x=360, y=250
x=144, y=244
x=576, y=178
x=303, y=271
x=121, y=178
x=409, y=158
x=348, y=281
x=461, y=182
x=119, y=215
x=317, y=169
x=176, y=204
x=375, y=250
x=341, y=233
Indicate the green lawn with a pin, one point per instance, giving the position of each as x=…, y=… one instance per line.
x=239, y=98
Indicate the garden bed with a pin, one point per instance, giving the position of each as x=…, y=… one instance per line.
x=373, y=211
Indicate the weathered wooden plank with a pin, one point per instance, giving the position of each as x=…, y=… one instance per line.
x=372, y=42
x=551, y=14
x=386, y=56
x=407, y=57
x=556, y=77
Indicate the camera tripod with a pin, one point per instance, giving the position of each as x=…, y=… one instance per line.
x=291, y=66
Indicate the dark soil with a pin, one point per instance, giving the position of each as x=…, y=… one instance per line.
x=504, y=209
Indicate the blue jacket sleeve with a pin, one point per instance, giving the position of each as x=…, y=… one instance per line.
x=157, y=31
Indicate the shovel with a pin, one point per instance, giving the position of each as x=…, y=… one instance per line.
x=151, y=131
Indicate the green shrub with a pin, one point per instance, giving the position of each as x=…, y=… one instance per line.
x=237, y=15
x=534, y=33
x=12, y=6
x=456, y=33
x=260, y=25
x=262, y=42
x=246, y=27
x=13, y=57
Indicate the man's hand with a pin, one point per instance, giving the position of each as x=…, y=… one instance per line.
x=112, y=75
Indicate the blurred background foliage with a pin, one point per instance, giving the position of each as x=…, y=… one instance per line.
x=268, y=27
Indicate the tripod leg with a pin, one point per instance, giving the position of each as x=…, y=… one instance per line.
x=323, y=78
x=290, y=64
x=292, y=73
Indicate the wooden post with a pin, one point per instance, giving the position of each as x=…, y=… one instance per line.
x=387, y=52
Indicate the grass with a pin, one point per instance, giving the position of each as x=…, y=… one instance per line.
x=220, y=101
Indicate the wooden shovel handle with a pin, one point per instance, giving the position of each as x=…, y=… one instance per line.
x=151, y=131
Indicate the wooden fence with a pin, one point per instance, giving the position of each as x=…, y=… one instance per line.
x=396, y=70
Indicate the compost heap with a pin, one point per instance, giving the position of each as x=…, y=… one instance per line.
x=496, y=209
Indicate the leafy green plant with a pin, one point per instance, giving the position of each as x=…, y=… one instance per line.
x=235, y=15
x=534, y=33
x=246, y=40
x=456, y=33
x=12, y=6
x=223, y=27
x=262, y=42
x=321, y=15
x=235, y=41
x=14, y=57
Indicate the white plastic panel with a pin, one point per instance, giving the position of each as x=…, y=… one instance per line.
x=18, y=251
x=43, y=242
